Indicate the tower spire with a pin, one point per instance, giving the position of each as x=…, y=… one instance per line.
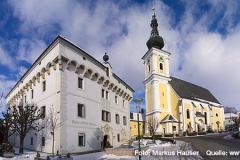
x=155, y=40
x=153, y=9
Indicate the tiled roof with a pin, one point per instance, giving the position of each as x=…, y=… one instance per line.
x=191, y=91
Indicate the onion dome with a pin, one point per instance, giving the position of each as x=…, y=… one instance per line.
x=105, y=57
x=155, y=40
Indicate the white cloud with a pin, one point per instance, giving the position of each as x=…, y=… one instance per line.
x=199, y=54
x=22, y=71
x=5, y=86
x=30, y=49
x=6, y=59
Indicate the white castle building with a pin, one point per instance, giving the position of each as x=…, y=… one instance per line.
x=93, y=101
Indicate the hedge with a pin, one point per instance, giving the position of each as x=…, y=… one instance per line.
x=201, y=133
x=170, y=135
x=192, y=134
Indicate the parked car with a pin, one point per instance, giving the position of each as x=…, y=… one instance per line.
x=135, y=144
x=150, y=143
x=236, y=135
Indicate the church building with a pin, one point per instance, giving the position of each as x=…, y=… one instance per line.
x=178, y=105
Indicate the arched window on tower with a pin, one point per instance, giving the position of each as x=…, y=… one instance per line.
x=161, y=67
x=205, y=116
x=188, y=114
x=148, y=65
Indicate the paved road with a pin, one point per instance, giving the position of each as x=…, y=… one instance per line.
x=209, y=144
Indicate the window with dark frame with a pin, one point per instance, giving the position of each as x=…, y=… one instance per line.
x=123, y=103
x=118, y=137
x=43, y=141
x=188, y=114
x=31, y=140
x=103, y=115
x=107, y=95
x=25, y=98
x=43, y=112
x=161, y=66
x=116, y=99
x=174, y=128
x=107, y=71
x=81, y=110
x=205, y=115
x=131, y=115
x=103, y=93
x=106, y=116
x=44, y=86
x=80, y=83
x=117, y=118
x=32, y=93
x=124, y=120
x=81, y=139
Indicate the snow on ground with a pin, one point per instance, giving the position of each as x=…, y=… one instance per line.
x=228, y=137
x=161, y=151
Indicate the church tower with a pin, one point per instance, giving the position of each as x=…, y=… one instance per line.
x=156, y=82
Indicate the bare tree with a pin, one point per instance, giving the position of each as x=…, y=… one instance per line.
x=7, y=125
x=53, y=123
x=152, y=126
x=25, y=118
x=230, y=110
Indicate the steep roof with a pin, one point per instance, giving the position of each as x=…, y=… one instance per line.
x=190, y=91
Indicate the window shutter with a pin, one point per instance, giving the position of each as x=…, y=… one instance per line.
x=83, y=111
x=103, y=115
x=79, y=110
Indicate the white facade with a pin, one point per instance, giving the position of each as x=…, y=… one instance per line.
x=74, y=79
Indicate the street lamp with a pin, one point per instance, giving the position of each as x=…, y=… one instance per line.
x=138, y=102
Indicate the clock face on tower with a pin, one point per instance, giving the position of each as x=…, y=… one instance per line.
x=161, y=58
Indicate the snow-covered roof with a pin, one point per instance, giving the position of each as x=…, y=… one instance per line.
x=230, y=115
x=134, y=118
x=205, y=101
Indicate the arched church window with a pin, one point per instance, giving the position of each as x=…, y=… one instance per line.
x=205, y=115
x=188, y=114
x=161, y=66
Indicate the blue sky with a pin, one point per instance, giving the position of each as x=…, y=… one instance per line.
x=202, y=37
